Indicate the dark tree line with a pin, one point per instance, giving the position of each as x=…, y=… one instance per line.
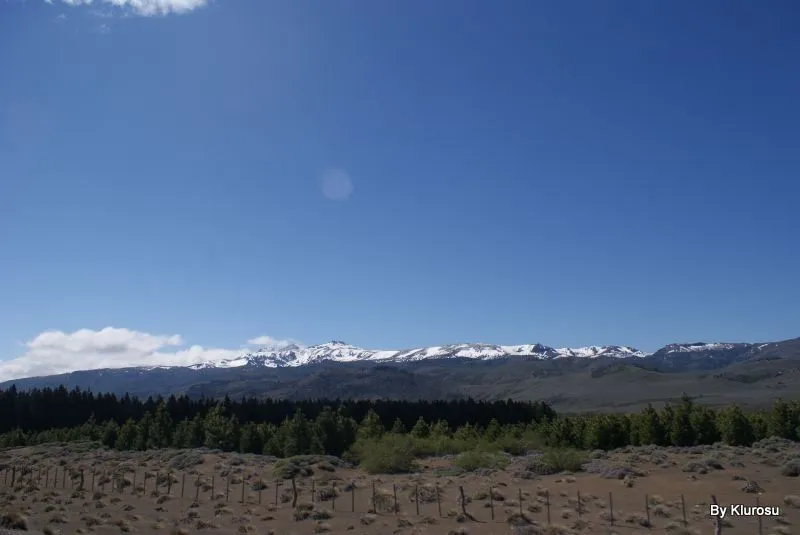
x=396, y=428
x=682, y=424
x=43, y=409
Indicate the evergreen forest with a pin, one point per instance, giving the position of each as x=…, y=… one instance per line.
x=386, y=434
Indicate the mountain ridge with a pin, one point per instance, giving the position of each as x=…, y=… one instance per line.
x=339, y=351
x=612, y=379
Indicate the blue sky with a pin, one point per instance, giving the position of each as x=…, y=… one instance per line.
x=400, y=174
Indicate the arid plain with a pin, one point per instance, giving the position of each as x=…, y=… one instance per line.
x=628, y=491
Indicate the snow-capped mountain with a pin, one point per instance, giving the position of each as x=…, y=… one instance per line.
x=338, y=351
x=700, y=346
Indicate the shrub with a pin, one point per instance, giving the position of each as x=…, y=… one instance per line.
x=391, y=454
x=564, y=460
x=791, y=468
x=13, y=521
x=473, y=460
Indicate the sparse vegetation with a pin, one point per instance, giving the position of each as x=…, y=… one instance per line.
x=473, y=460
x=562, y=451
x=13, y=521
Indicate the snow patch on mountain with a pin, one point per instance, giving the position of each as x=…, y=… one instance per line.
x=697, y=347
x=338, y=351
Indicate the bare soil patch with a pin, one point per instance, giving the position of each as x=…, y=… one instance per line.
x=633, y=490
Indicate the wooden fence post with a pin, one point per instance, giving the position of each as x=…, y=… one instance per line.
x=333, y=497
x=416, y=497
x=169, y=483
x=155, y=487
x=313, y=490
x=463, y=501
x=213, y=485
x=197, y=488
x=611, y=506
x=716, y=520
x=438, y=500
x=277, y=484
x=491, y=501
x=519, y=492
x=352, y=498
x=647, y=509
x=547, y=504
x=242, y=490
x=93, y=475
x=374, y=507
x=227, y=488
x=183, y=482
x=760, y=526
x=683, y=509
x=294, y=493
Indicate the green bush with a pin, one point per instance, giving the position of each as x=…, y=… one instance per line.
x=473, y=460
x=564, y=460
x=391, y=454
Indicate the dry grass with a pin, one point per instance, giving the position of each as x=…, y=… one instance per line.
x=647, y=477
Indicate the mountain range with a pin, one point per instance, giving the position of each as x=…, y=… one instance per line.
x=338, y=351
x=594, y=377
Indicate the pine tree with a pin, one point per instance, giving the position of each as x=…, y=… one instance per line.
x=649, y=427
x=440, y=429
x=704, y=425
x=397, y=427
x=143, y=432
x=371, y=426
x=329, y=431
x=182, y=435
x=110, y=434
x=197, y=431
x=493, y=430
x=250, y=439
x=466, y=433
x=421, y=429
x=561, y=433
x=681, y=432
x=160, y=435
x=265, y=434
x=666, y=416
x=736, y=429
x=126, y=440
x=298, y=436
x=779, y=422
x=218, y=430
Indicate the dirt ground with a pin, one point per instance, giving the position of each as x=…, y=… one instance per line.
x=200, y=491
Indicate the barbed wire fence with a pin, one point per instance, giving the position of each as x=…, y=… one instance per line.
x=522, y=507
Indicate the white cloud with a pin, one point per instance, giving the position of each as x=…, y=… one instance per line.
x=54, y=352
x=144, y=7
x=270, y=342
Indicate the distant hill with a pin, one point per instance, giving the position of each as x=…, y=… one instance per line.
x=594, y=378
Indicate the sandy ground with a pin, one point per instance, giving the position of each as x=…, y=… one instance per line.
x=200, y=491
